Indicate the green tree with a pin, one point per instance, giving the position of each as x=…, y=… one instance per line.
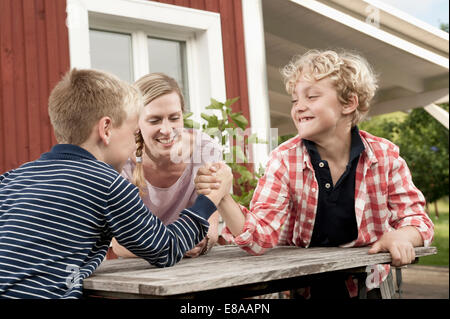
x=385, y=125
x=423, y=143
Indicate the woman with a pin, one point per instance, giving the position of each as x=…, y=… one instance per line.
x=168, y=157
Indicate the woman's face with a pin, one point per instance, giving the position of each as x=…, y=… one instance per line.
x=161, y=124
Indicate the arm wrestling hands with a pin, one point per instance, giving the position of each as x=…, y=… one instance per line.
x=216, y=191
x=209, y=178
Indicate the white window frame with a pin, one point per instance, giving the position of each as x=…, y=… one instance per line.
x=200, y=29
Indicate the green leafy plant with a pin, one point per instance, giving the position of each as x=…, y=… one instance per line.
x=230, y=129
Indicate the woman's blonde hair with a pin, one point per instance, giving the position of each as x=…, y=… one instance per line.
x=83, y=97
x=152, y=86
x=350, y=72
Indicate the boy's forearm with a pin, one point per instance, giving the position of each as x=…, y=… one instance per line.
x=232, y=215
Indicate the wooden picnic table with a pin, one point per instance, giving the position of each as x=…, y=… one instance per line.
x=228, y=271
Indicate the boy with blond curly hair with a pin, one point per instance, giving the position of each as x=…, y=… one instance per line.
x=59, y=213
x=332, y=184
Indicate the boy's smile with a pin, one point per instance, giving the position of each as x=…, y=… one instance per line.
x=316, y=110
x=305, y=119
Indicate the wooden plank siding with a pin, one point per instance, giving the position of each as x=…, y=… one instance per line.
x=34, y=54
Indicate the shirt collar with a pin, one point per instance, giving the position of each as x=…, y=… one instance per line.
x=68, y=151
x=312, y=150
x=356, y=146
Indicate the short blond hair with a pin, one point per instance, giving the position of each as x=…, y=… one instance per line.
x=83, y=97
x=350, y=72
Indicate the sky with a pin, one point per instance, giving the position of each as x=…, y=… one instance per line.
x=434, y=12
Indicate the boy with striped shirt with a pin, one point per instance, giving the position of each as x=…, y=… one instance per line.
x=59, y=213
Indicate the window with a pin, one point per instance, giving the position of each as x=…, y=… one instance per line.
x=111, y=51
x=169, y=57
x=131, y=38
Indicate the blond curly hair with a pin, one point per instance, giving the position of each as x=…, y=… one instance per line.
x=350, y=72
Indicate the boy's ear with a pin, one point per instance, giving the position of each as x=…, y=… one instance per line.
x=351, y=106
x=104, y=129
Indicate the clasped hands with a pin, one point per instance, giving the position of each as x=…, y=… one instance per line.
x=214, y=181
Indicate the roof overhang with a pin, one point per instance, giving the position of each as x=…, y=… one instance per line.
x=410, y=57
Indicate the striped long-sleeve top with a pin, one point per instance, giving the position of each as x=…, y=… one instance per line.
x=59, y=213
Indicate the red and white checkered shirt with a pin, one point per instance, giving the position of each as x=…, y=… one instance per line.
x=283, y=208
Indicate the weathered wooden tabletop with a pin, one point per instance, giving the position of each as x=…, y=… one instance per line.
x=226, y=267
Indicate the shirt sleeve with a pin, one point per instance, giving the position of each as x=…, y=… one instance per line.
x=268, y=209
x=141, y=232
x=2, y=177
x=406, y=202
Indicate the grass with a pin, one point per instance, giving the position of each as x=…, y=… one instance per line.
x=441, y=232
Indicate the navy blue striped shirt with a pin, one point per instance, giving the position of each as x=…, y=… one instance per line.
x=59, y=213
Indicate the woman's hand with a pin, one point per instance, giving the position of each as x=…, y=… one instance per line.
x=198, y=249
x=203, y=247
x=121, y=251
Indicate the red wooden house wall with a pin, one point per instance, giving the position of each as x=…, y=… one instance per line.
x=34, y=55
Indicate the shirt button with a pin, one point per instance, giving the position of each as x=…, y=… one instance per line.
x=313, y=190
x=321, y=164
x=327, y=185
